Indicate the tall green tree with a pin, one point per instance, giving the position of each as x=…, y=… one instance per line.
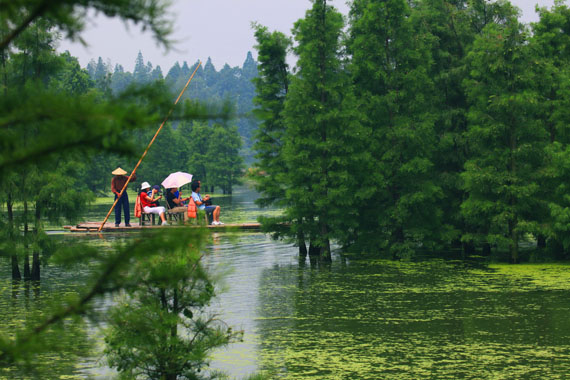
x=141, y=71
x=550, y=45
x=390, y=67
x=503, y=175
x=271, y=86
x=316, y=128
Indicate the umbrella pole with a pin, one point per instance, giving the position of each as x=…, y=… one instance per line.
x=148, y=147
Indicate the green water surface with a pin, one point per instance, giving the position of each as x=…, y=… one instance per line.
x=352, y=319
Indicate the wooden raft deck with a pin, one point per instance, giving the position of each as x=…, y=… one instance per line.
x=110, y=227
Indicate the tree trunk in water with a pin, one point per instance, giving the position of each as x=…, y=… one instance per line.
x=326, y=248
x=302, y=245
x=399, y=239
x=16, y=275
x=9, y=209
x=514, y=245
x=27, y=271
x=36, y=267
x=541, y=242
x=302, y=250
x=36, y=254
x=468, y=249
x=314, y=250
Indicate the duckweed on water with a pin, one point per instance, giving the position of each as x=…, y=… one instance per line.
x=552, y=276
x=378, y=319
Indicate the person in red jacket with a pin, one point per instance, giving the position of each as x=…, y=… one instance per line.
x=149, y=201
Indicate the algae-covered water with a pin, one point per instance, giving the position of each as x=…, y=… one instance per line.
x=352, y=319
x=375, y=319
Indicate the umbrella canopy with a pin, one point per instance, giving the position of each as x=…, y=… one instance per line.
x=176, y=180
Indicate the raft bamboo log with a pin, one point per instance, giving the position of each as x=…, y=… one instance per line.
x=148, y=147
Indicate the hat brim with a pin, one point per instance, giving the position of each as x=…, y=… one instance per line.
x=118, y=171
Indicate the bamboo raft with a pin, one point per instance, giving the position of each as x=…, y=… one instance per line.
x=110, y=227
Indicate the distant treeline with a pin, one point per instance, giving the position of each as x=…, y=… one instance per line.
x=213, y=152
x=232, y=84
x=419, y=125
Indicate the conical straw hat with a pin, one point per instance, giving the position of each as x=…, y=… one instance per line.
x=119, y=171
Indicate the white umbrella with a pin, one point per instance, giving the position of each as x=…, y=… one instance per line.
x=176, y=180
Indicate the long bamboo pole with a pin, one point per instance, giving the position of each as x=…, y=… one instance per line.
x=148, y=147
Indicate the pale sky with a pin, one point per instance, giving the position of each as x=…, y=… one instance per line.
x=220, y=29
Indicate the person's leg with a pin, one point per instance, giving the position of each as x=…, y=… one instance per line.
x=217, y=214
x=126, y=208
x=210, y=211
x=117, y=212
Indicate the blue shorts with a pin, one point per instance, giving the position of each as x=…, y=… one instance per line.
x=210, y=209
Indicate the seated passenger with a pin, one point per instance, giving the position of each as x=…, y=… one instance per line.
x=175, y=203
x=200, y=203
x=149, y=201
x=178, y=194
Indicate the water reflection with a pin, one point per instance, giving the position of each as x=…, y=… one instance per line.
x=383, y=319
x=26, y=303
x=368, y=319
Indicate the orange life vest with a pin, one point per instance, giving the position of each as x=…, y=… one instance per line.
x=192, y=211
x=138, y=207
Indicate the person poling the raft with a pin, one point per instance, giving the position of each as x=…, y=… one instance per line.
x=117, y=184
x=149, y=201
x=200, y=202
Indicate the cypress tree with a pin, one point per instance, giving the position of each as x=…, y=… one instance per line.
x=173, y=74
x=272, y=86
x=550, y=46
x=140, y=73
x=316, y=128
x=503, y=175
x=390, y=68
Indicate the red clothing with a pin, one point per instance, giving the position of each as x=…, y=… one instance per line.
x=118, y=182
x=145, y=200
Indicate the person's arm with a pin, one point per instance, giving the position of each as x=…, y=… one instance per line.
x=114, y=187
x=198, y=202
x=153, y=198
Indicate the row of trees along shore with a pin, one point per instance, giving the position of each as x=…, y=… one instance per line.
x=418, y=125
